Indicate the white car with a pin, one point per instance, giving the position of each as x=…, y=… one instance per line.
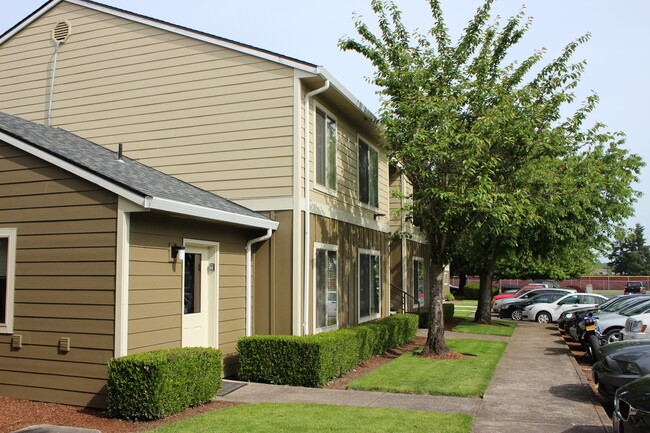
x=496, y=306
x=545, y=313
x=637, y=324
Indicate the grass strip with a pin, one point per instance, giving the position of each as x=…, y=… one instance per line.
x=303, y=417
x=471, y=327
x=458, y=377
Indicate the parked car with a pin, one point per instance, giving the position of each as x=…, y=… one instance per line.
x=621, y=363
x=611, y=324
x=545, y=313
x=514, y=310
x=496, y=306
x=634, y=287
x=636, y=327
x=548, y=283
x=632, y=407
x=566, y=319
x=520, y=292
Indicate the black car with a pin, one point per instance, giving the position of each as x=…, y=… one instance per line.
x=621, y=363
x=514, y=310
x=634, y=287
x=632, y=407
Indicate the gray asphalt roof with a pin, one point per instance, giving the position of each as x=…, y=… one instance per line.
x=128, y=173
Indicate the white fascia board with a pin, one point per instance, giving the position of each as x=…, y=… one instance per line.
x=326, y=75
x=167, y=205
x=31, y=19
x=74, y=169
x=146, y=202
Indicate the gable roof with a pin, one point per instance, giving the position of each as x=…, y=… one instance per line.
x=301, y=65
x=139, y=183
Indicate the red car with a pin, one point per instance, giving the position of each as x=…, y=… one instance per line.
x=521, y=291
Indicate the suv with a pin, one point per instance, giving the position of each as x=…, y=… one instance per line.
x=634, y=287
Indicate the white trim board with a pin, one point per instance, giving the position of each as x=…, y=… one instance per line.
x=146, y=202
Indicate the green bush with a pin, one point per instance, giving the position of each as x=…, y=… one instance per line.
x=314, y=359
x=470, y=291
x=151, y=385
x=449, y=297
x=447, y=313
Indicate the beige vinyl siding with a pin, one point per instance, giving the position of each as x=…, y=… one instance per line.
x=394, y=201
x=65, y=280
x=346, y=196
x=217, y=118
x=155, y=302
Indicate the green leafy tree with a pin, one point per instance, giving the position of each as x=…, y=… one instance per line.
x=630, y=255
x=464, y=129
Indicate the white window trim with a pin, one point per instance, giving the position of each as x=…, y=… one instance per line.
x=415, y=288
x=381, y=289
x=376, y=149
x=326, y=247
x=317, y=186
x=10, y=234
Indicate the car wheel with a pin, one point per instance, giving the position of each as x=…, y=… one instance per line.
x=543, y=317
x=613, y=336
x=516, y=315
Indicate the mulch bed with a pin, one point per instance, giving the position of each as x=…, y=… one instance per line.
x=17, y=414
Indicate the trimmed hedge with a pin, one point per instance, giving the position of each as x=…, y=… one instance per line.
x=315, y=359
x=470, y=291
x=155, y=384
x=447, y=314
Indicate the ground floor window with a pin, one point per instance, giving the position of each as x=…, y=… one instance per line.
x=369, y=285
x=326, y=286
x=7, y=266
x=418, y=280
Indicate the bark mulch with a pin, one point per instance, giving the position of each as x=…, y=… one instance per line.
x=17, y=414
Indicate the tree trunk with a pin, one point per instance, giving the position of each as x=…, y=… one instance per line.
x=462, y=280
x=436, y=336
x=484, y=308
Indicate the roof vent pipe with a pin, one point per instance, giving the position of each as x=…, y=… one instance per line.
x=60, y=34
x=119, y=153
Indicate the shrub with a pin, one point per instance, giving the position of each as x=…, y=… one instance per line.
x=449, y=297
x=470, y=291
x=314, y=359
x=151, y=385
x=447, y=314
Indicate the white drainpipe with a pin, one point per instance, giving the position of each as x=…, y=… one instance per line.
x=305, y=313
x=249, y=285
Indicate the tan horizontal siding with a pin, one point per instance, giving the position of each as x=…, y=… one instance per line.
x=155, y=301
x=92, y=399
x=65, y=280
x=120, y=81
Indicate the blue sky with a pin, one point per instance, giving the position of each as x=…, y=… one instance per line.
x=617, y=55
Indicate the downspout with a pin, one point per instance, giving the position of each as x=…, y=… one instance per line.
x=249, y=285
x=49, y=105
x=307, y=234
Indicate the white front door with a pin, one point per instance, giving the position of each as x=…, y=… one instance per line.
x=196, y=297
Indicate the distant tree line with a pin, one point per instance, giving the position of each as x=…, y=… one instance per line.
x=630, y=256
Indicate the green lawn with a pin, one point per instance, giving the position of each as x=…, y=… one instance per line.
x=477, y=328
x=464, y=308
x=301, y=417
x=415, y=375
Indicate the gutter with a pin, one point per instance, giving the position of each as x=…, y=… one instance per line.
x=307, y=234
x=249, y=285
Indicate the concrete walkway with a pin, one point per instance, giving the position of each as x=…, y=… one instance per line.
x=538, y=387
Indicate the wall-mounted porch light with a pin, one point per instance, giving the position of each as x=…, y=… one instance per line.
x=377, y=215
x=178, y=252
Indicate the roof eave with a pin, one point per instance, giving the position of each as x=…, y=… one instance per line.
x=141, y=199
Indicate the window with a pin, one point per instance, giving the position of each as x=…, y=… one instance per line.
x=369, y=285
x=368, y=174
x=326, y=287
x=325, y=150
x=192, y=283
x=7, y=267
x=418, y=280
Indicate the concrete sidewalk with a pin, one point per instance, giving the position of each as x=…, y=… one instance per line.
x=538, y=387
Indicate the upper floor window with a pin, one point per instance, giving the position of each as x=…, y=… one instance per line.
x=368, y=174
x=325, y=150
x=7, y=266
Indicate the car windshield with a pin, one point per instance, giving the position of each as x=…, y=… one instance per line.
x=618, y=304
x=635, y=309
